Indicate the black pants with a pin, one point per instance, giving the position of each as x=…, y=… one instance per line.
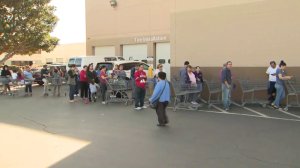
x=139, y=97
x=77, y=86
x=28, y=88
x=272, y=91
x=84, y=89
x=161, y=112
x=72, y=92
x=103, y=91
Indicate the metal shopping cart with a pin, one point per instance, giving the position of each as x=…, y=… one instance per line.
x=117, y=91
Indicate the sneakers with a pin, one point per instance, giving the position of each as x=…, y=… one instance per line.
x=71, y=101
x=144, y=107
x=274, y=106
x=138, y=108
x=104, y=102
x=194, y=103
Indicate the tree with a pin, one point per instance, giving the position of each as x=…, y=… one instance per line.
x=25, y=27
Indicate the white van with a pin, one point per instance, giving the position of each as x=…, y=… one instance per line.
x=127, y=65
x=81, y=61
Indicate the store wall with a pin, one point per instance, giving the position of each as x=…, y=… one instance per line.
x=248, y=32
x=108, y=26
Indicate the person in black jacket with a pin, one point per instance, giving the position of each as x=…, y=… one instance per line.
x=92, y=80
x=6, y=76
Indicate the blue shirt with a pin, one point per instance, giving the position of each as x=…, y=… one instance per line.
x=28, y=75
x=226, y=76
x=183, y=75
x=278, y=80
x=165, y=96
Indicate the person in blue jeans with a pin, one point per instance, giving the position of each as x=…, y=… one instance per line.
x=226, y=85
x=280, y=86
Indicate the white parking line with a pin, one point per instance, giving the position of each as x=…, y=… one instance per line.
x=251, y=115
x=251, y=110
x=294, y=115
x=218, y=108
x=187, y=109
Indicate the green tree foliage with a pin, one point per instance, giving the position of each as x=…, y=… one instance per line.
x=25, y=27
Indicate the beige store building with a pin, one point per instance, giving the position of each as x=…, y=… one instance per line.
x=207, y=33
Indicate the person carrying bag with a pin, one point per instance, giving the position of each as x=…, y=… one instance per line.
x=161, y=98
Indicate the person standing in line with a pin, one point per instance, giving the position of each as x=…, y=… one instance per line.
x=162, y=95
x=271, y=71
x=28, y=81
x=191, y=83
x=133, y=83
x=226, y=85
x=103, y=83
x=72, y=82
x=115, y=72
x=77, y=86
x=183, y=77
x=140, y=81
x=122, y=73
x=159, y=68
x=56, y=81
x=45, y=74
x=183, y=73
x=5, y=73
x=84, y=86
x=199, y=78
x=280, y=85
x=92, y=80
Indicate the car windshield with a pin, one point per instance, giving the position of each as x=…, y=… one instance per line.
x=128, y=66
x=109, y=66
x=76, y=61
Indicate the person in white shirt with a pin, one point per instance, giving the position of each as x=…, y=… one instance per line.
x=271, y=71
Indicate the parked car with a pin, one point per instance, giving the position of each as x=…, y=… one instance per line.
x=37, y=72
x=127, y=65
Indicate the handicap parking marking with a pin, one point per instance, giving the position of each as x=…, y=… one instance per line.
x=249, y=109
x=290, y=114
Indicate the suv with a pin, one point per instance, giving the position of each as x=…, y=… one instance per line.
x=127, y=65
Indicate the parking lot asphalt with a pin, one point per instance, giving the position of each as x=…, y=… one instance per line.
x=50, y=132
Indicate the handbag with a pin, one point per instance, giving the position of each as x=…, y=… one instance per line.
x=154, y=104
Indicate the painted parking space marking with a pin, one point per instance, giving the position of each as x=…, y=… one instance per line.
x=252, y=115
x=218, y=108
x=251, y=110
x=255, y=115
x=290, y=114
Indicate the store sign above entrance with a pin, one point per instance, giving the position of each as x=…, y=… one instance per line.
x=150, y=39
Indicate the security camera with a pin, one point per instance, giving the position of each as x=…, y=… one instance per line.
x=113, y=3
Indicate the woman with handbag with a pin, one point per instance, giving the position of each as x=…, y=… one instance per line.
x=161, y=98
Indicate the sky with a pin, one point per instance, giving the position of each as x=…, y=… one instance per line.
x=71, y=25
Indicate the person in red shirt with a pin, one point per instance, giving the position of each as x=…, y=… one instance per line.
x=84, y=85
x=140, y=81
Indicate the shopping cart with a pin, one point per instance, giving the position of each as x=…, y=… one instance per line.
x=250, y=88
x=117, y=91
x=293, y=90
x=182, y=93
